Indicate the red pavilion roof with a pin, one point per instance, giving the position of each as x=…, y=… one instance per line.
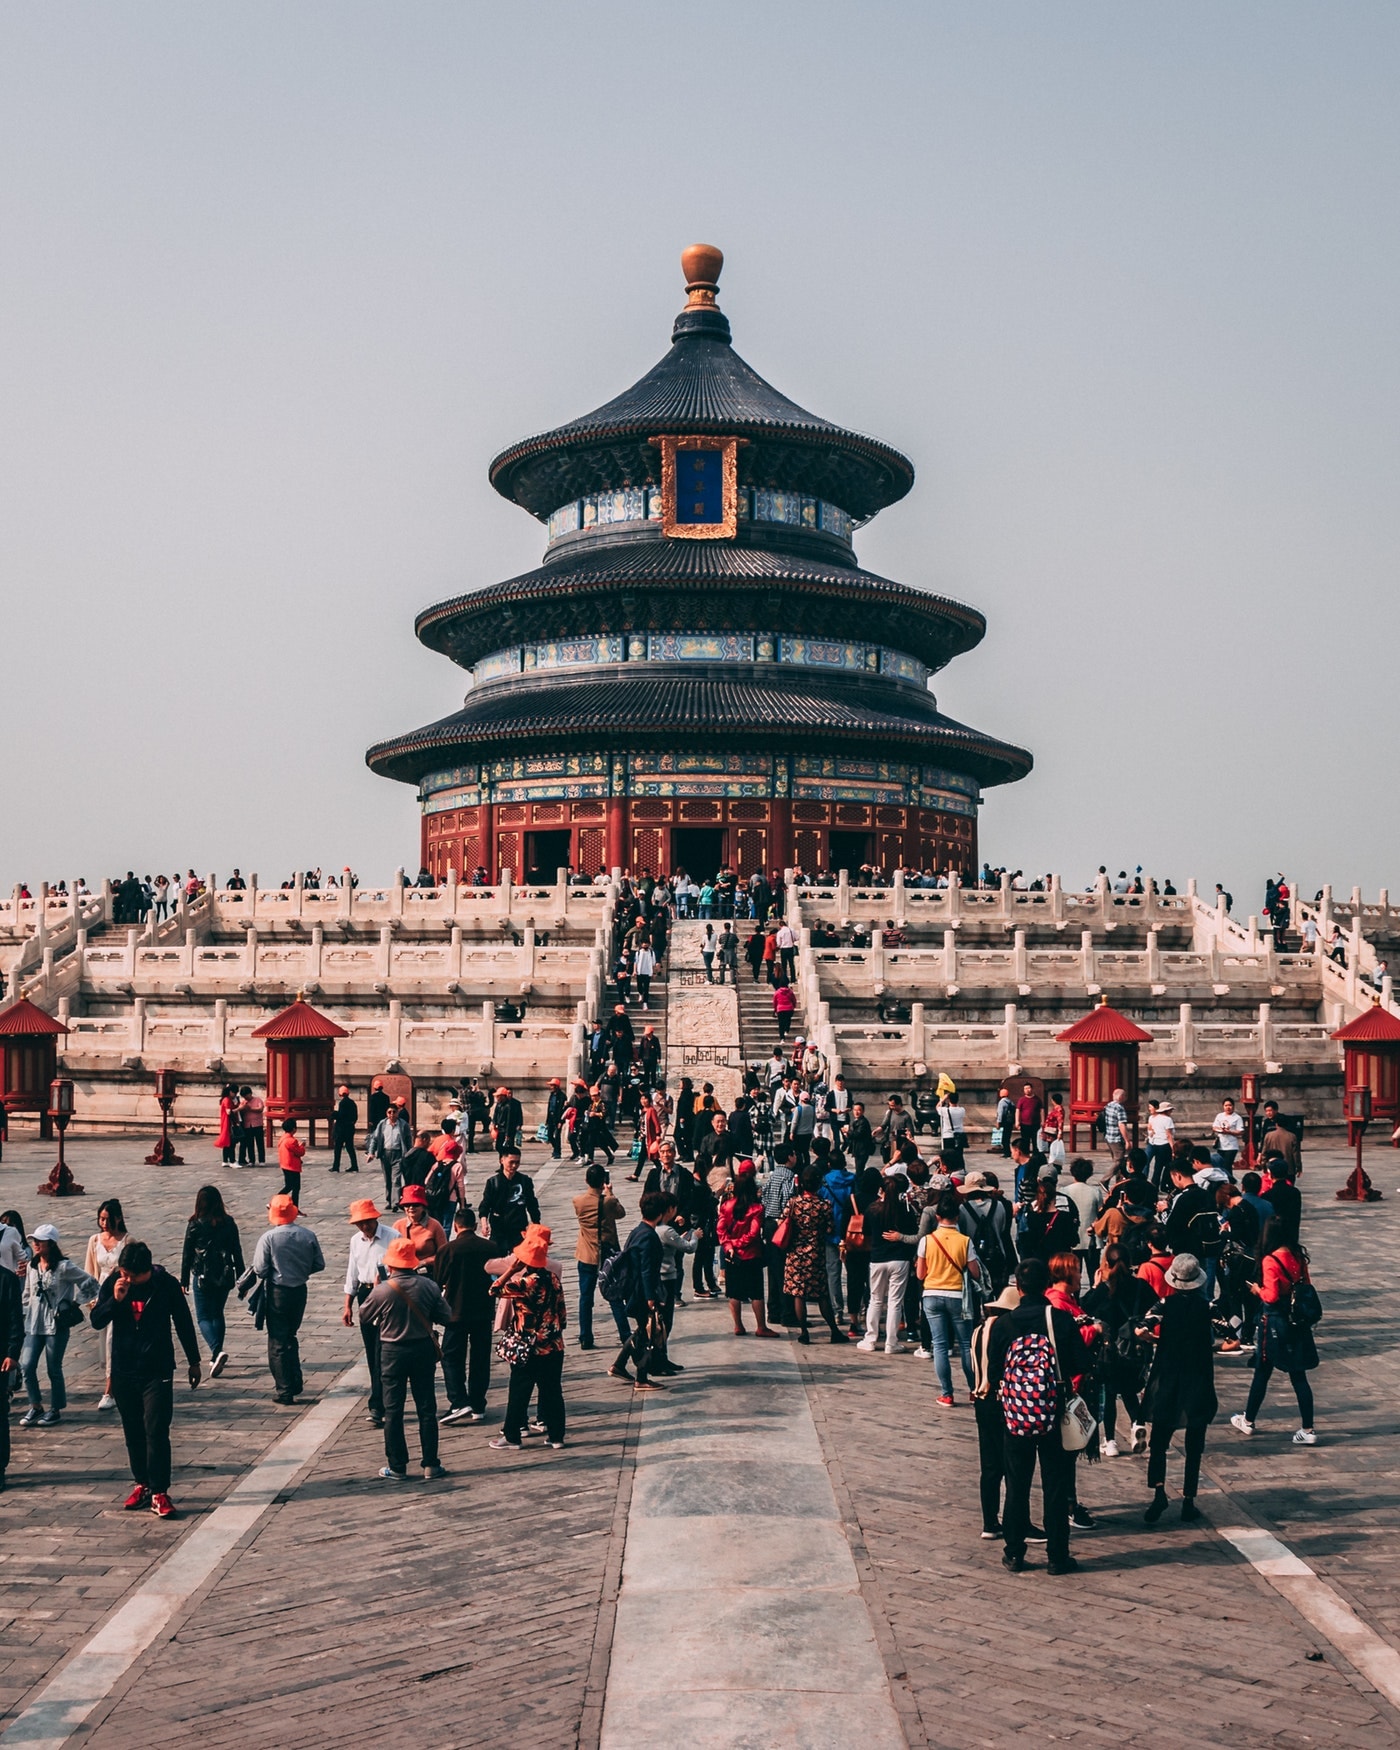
x=1372, y=1023
x=1104, y=1026
x=300, y=1021
x=26, y=1019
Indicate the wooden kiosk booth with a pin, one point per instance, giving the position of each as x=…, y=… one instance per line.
x=1103, y=1055
x=300, y=1067
x=28, y=1060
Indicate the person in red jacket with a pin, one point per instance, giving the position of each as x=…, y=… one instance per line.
x=740, y=1231
x=1283, y=1265
x=784, y=1002
x=291, y=1151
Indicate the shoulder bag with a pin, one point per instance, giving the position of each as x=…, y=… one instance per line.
x=1077, y=1421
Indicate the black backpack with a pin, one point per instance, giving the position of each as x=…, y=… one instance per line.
x=213, y=1264
x=617, y=1278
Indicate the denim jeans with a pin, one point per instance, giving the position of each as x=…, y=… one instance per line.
x=51, y=1348
x=209, y=1314
x=948, y=1326
x=587, y=1291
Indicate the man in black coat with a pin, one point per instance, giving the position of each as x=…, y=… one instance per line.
x=143, y=1304
x=509, y=1203
x=507, y=1122
x=347, y=1116
x=460, y=1272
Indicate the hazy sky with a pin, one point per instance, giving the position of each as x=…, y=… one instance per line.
x=277, y=280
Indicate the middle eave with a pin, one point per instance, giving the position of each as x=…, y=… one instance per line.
x=656, y=585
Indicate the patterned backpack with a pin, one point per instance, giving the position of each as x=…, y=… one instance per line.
x=1029, y=1390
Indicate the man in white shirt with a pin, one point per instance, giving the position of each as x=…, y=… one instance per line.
x=363, y=1272
x=787, y=948
x=1229, y=1133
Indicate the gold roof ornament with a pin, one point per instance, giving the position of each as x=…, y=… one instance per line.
x=701, y=264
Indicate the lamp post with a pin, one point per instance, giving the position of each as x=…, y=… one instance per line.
x=1358, y=1111
x=61, y=1111
x=164, y=1154
x=1249, y=1099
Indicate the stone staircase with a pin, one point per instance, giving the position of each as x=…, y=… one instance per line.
x=758, y=1030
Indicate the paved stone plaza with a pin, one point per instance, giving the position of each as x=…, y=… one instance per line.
x=782, y=1550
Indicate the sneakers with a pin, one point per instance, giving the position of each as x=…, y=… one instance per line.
x=501, y=1444
x=1110, y=1449
x=106, y=1401
x=139, y=1497
x=1305, y=1437
x=162, y=1506
x=433, y=1473
x=29, y=1418
x=995, y=1532
x=1036, y=1534
x=535, y=1426
x=1231, y=1346
x=50, y=1419
x=462, y=1414
x=390, y=1475
x=1081, y=1520
x=1013, y=1564
x=866, y=1347
x=1139, y=1437
x=922, y=1354
x=556, y=1445
x=1067, y=1566
x=218, y=1364
x=945, y=1403
x=1240, y=1423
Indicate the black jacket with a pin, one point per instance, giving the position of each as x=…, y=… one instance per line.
x=379, y=1104
x=416, y=1165
x=510, y=1205
x=347, y=1116
x=11, y=1318
x=211, y=1242
x=645, y=1243
x=1185, y=1233
x=1181, y=1387
x=685, y=1188
x=142, y=1349
x=460, y=1272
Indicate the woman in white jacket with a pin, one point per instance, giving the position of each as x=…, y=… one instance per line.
x=54, y=1288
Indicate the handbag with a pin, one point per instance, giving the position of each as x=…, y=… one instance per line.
x=1077, y=1420
x=782, y=1234
x=998, y=1137
x=68, y=1315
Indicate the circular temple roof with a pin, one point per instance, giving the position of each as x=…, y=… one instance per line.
x=702, y=387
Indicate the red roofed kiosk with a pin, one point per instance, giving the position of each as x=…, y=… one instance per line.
x=28, y=1060
x=1372, y=1046
x=1103, y=1055
x=300, y=1066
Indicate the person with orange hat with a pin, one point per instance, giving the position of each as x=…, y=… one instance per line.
x=403, y=1309
x=532, y=1341
x=284, y=1259
x=364, y=1271
x=417, y=1225
x=554, y=1116
x=507, y=1121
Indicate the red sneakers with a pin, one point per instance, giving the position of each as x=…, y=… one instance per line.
x=162, y=1506
x=139, y=1497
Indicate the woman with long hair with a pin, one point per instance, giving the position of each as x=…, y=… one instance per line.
x=210, y=1264
x=1283, y=1342
x=1120, y=1300
x=228, y=1109
x=1063, y=1292
x=804, y=1265
x=103, y=1250
x=891, y=1227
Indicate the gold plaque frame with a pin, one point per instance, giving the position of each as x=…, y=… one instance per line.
x=728, y=526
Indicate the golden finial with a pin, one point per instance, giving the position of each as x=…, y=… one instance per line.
x=701, y=265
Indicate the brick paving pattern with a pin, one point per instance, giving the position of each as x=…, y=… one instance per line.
x=484, y=1604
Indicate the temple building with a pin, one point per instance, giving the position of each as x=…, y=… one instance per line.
x=699, y=673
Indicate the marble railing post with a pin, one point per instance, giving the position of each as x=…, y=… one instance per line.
x=250, y=954
x=454, y=964
x=1011, y=1031
x=220, y=1027
x=1086, y=956
x=916, y=1031
x=386, y=943
x=843, y=896
x=527, y=957
x=488, y=1035
x=1154, y=958
x=899, y=907
x=1266, y=1032
x=318, y=936
x=1019, y=967
x=954, y=896
x=950, y=956
x=1188, y=1033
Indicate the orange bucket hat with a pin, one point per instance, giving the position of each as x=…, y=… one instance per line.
x=401, y=1254
x=281, y=1211
x=534, y=1248
x=363, y=1209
